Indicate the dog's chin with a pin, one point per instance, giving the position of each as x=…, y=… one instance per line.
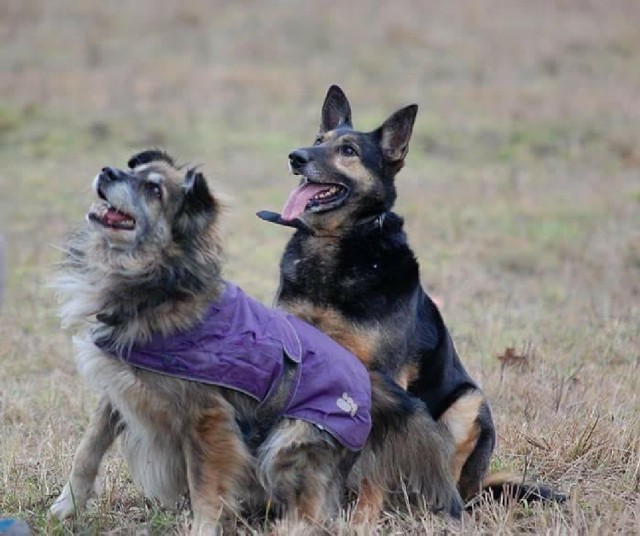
x=118, y=244
x=327, y=220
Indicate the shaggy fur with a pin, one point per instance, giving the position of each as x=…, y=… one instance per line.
x=146, y=262
x=349, y=271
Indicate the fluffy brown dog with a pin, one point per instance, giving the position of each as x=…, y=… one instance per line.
x=145, y=267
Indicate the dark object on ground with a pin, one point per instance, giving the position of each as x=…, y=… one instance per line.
x=14, y=527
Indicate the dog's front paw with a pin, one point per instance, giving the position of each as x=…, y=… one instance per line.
x=66, y=504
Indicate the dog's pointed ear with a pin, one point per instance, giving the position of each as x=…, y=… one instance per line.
x=395, y=134
x=197, y=196
x=335, y=110
x=152, y=155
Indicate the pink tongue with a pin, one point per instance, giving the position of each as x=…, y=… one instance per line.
x=298, y=200
x=113, y=216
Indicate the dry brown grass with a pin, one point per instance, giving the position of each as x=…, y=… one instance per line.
x=521, y=192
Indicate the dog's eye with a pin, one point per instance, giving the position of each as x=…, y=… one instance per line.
x=318, y=140
x=348, y=150
x=154, y=189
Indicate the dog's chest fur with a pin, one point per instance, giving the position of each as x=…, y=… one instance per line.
x=367, y=281
x=148, y=430
x=126, y=387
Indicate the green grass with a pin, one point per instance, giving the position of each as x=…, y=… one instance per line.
x=520, y=195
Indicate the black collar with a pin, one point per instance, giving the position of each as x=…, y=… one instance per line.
x=375, y=222
x=274, y=217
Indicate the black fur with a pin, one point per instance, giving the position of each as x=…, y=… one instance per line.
x=151, y=155
x=393, y=416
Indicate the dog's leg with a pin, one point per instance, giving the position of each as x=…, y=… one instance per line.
x=370, y=503
x=103, y=429
x=217, y=461
x=406, y=447
x=469, y=421
x=301, y=470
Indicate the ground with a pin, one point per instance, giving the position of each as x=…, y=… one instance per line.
x=521, y=194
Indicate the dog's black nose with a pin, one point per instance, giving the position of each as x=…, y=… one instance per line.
x=299, y=158
x=111, y=174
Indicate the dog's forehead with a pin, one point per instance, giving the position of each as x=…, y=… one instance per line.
x=338, y=136
x=332, y=135
x=158, y=171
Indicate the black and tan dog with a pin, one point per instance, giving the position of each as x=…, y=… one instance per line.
x=211, y=393
x=350, y=271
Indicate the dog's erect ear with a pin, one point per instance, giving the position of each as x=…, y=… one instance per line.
x=152, y=155
x=197, y=197
x=335, y=110
x=395, y=134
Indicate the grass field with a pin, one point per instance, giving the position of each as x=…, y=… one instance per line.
x=521, y=194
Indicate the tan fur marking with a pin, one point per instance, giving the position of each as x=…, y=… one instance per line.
x=407, y=375
x=217, y=461
x=460, y=419
x=356, y=170
x=502, y=477
x=369, y=505
x=310, y=506
x=330, y=135
x=360, y=342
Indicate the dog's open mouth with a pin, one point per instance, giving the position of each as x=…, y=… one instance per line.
x=109, y=216
x=314, y=197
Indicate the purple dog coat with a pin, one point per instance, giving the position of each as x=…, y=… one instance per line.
x=242, y=345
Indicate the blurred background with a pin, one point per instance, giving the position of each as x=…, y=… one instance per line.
x=521, y=192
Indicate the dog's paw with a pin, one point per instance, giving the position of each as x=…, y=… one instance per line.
x=297, y=527
x=66, y=504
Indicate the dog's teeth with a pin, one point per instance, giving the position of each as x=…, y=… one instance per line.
x=329, y=192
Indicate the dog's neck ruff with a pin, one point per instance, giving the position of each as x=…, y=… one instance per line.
x=243, y=345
